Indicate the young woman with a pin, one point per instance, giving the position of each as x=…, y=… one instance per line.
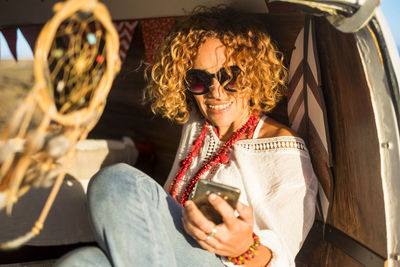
x=218, y=73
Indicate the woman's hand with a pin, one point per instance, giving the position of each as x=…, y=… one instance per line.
x=232, y=237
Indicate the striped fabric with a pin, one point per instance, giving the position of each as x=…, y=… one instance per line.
x=125, y=29
x=306, y=108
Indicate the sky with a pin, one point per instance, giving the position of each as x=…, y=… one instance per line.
x=390, y=8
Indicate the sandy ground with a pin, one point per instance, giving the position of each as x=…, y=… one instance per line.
x=16, y=79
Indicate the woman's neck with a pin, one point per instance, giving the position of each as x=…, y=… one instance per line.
x=224, y=133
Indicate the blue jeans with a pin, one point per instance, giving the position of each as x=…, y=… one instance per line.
x=136, y=223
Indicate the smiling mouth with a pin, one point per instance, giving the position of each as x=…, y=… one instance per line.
x=219, y=107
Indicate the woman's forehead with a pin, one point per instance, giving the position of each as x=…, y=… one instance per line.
x=211, y=55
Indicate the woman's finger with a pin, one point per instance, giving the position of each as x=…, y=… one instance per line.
x=204, y=244
x=192, y=230
x=190, y=211
x=193, y=215
x=212, y=245
x=208, y=241
x=245, y=213
x=226, y=211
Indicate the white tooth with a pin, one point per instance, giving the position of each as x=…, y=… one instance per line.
x=219, y=107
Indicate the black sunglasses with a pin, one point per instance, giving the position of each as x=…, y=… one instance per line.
x=198, y=82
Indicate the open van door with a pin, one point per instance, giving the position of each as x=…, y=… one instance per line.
x=359, y=67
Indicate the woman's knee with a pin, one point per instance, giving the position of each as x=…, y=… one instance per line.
x=113, y=185
x=114, y=177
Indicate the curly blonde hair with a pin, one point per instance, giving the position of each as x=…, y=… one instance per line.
x=247, y=44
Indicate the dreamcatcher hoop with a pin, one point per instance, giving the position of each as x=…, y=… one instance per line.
x=64, y=11
x=49, y=150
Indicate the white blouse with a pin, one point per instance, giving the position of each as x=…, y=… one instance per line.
x=275, y=177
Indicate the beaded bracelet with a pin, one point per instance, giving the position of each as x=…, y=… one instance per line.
x=249, y=254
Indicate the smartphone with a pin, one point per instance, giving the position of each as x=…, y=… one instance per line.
x=204, y=188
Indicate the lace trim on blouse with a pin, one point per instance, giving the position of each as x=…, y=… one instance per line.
x=211, y=149
x=274, y=143
x=262, y=144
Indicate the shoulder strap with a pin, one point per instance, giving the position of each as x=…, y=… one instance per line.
x=258, y=127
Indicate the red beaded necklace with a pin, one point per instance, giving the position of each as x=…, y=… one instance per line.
x=219, y=157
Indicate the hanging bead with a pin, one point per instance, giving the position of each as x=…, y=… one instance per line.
x=91, y=38
x=100, y=59
x=60, y=86
x=224, y=159
x=57, y=53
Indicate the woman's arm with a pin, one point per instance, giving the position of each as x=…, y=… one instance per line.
x=263, y=257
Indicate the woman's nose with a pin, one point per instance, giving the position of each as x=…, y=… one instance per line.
x=216, y=89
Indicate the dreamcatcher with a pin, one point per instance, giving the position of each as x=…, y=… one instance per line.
x=76, y=59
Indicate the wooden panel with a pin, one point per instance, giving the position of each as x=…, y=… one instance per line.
x=321, y=253
x=317, y=252
x=358, y=207
x=314, y=250
x=335, y=257
x=283, y=28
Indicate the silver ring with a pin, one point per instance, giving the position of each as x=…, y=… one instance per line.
x=207, y=238
x=213, y=232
